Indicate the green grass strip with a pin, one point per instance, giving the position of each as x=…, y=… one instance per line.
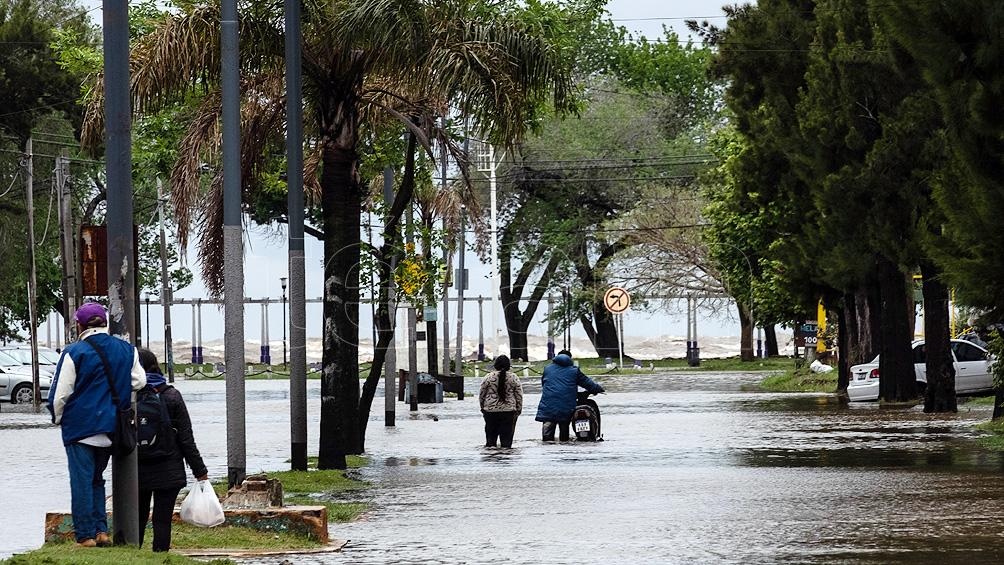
x=69, y=554
x=800, y=380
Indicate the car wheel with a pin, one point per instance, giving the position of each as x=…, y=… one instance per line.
x=921, y=388
x=22, y=394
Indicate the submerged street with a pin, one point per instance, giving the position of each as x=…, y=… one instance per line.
x=696, y=468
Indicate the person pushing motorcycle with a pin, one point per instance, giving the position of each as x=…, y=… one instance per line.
x=560, y=383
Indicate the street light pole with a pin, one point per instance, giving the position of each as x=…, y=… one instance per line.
x=282, y=281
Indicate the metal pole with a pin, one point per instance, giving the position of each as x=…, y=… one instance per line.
x=446, y=261
x=121, y=271
x=458, y=364
x=263, y=339
x=297, y=285
x=285, y=360
x=147, y=299
x=195, y=339
x=550, y=328
x=198, y=318
x=620, y=343
x=391, y=361
x=481, y=328
x=412, y=320
x=496, y=275
x=690, y=336
x=233, y=245
x=165, y=287
x=697, y=349
x=36, y=393
x=65, y=244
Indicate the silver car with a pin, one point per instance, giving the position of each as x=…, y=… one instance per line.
x=16, y=380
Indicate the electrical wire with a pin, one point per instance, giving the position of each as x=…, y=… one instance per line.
x=17, y=173
x=48, y=214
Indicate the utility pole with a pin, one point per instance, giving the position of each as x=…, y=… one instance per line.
x=32, y=281
x=233, y=246
x=121, y=255
x=446, y=261
x=412, y=320
x=550, y=327
x=67, y=246
x=461, y=287
x=390, y=361
x=496, y=275
x=294, y=202
x=165, y=287
x=481, y=328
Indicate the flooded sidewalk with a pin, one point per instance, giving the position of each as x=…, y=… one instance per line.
x=696, y=468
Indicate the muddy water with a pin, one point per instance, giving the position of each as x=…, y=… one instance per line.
x=694, y=469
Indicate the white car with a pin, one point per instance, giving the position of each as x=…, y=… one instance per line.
x=972, y=371
x=47, y=358
x=16, y=381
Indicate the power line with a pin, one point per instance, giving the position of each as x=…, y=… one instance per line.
x=42, y=107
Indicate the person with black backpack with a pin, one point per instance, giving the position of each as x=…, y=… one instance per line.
x=164, y=442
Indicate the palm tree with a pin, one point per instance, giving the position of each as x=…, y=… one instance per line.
x=363, y=61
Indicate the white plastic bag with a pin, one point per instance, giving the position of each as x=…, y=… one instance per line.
x=201, y=507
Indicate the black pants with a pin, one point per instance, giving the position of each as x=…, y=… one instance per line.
x=163, y=511
x=548, y=430
x=499, y=426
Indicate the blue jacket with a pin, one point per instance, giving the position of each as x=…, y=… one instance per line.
x=559, y=386
x=80, y=399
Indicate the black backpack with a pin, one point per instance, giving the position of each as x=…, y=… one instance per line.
x=154, y=435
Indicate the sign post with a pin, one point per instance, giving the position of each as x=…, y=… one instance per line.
x=617, y=301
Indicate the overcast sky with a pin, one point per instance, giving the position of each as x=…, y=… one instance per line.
x=266, y=254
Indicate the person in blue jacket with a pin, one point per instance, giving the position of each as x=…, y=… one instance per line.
x=559, y=386
x=80, y=402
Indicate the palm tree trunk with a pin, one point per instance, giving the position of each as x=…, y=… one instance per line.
x=341, y=205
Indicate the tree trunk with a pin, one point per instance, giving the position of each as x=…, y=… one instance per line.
x=518, y=346
x=770, y=336
x=897, y=378
x=606, y=342
x=745, y=333
x=341, y=205
x=845, y=316
x=940, y=393
x=862, y=324
x=998, y=404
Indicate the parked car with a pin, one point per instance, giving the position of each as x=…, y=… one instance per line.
x=16, y=380
x=972, y=371
x=47, y=358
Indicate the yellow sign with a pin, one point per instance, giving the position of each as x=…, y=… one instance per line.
x=617, y=300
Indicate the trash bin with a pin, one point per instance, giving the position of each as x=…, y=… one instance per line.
x=694, y=357
x=430, y=390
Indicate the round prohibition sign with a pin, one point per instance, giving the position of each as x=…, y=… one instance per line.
x=617, y=300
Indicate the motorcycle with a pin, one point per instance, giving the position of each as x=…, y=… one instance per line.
x=586, y=418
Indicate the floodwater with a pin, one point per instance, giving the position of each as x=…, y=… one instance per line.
x=696, y=468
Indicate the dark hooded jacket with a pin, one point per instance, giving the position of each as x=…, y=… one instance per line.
x=170, y=472
x=559, y=386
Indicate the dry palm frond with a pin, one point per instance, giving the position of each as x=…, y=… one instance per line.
x=311, y=181
x=211, y=238
x=181, y=54
x=199, y=148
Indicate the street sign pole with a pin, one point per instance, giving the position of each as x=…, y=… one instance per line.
x=620, y=343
